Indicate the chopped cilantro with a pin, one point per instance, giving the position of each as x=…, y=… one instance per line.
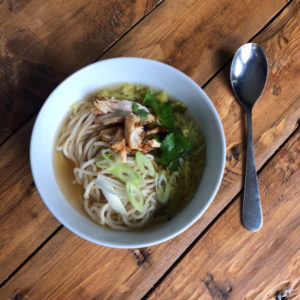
x=139, y=112
x=173, y=146
x=163, y=111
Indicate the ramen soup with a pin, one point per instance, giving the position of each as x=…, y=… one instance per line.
x=128, y=156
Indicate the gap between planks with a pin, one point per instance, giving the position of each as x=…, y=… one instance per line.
x=31, y=255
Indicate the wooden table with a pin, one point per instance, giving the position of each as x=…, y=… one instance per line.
x=42, y=42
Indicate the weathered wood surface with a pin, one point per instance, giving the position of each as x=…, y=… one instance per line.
x=13, y=234
x=21, y=235
x=229, y=262
x=41, y=42
x=110, y=273
x=197, y=37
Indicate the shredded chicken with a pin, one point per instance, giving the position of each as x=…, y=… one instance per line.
x=134, y=133
x=118, y=144
x=111, y=118
x=108, y=105
x=122, y=129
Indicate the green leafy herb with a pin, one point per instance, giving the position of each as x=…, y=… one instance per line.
x=173, y=146
x=139, y=112
x=163, y=111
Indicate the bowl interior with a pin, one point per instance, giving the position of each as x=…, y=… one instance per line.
x=91, y=79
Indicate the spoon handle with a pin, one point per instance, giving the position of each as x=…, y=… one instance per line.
x=252, y=213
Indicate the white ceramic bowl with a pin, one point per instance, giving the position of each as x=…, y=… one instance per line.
x=92, y=78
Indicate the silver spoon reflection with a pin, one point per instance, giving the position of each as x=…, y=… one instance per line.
x=248, y=76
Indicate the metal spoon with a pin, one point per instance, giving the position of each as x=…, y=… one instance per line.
x=248, y=76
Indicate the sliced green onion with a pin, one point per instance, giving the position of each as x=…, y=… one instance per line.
x=143, y=161
x=135, y=196
x=126, y=174
x=107, y=159
x=103, y=164
x=110, y=155
x=162, y=187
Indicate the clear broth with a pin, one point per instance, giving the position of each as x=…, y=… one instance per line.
x=63, y=170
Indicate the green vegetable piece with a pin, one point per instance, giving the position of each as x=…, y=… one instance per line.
x=127, y=89
x=168, y=144
x=162, y=96
x=135, y=196
x=150, y=101
x=162, y=188
x=163, y=111
x=145, y=164
x=103, y=164
x=126, y=174
x=174, y=146
x=139, y=112
x=166, y=116
x=105, y=93
x=107, y=159
x=178, y=106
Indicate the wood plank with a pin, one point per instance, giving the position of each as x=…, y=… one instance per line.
x=197, y=37
x=151, y=4
x=20, y=236
x=229, y=262
x=41, y=42
x=110, y=273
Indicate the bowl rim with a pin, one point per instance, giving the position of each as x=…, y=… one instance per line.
x=191, y=221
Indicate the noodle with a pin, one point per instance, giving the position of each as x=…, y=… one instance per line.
x=80, y=143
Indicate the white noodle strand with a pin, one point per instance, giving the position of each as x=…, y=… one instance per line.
x=80, y=142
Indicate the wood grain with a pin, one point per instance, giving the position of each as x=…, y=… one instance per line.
x=21, y=235
x=107, y=273
x=197, y=37
x=7, y=265
x=41, y=42
x=151, y=4
x=230, y=262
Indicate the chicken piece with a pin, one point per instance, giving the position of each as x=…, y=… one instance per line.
x=118, y=144
x=134, y=132
x=153, y=143
x=111, y=118
x=123, y=154
x=108, y=105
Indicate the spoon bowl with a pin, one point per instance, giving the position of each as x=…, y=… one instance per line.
x=248, y=76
